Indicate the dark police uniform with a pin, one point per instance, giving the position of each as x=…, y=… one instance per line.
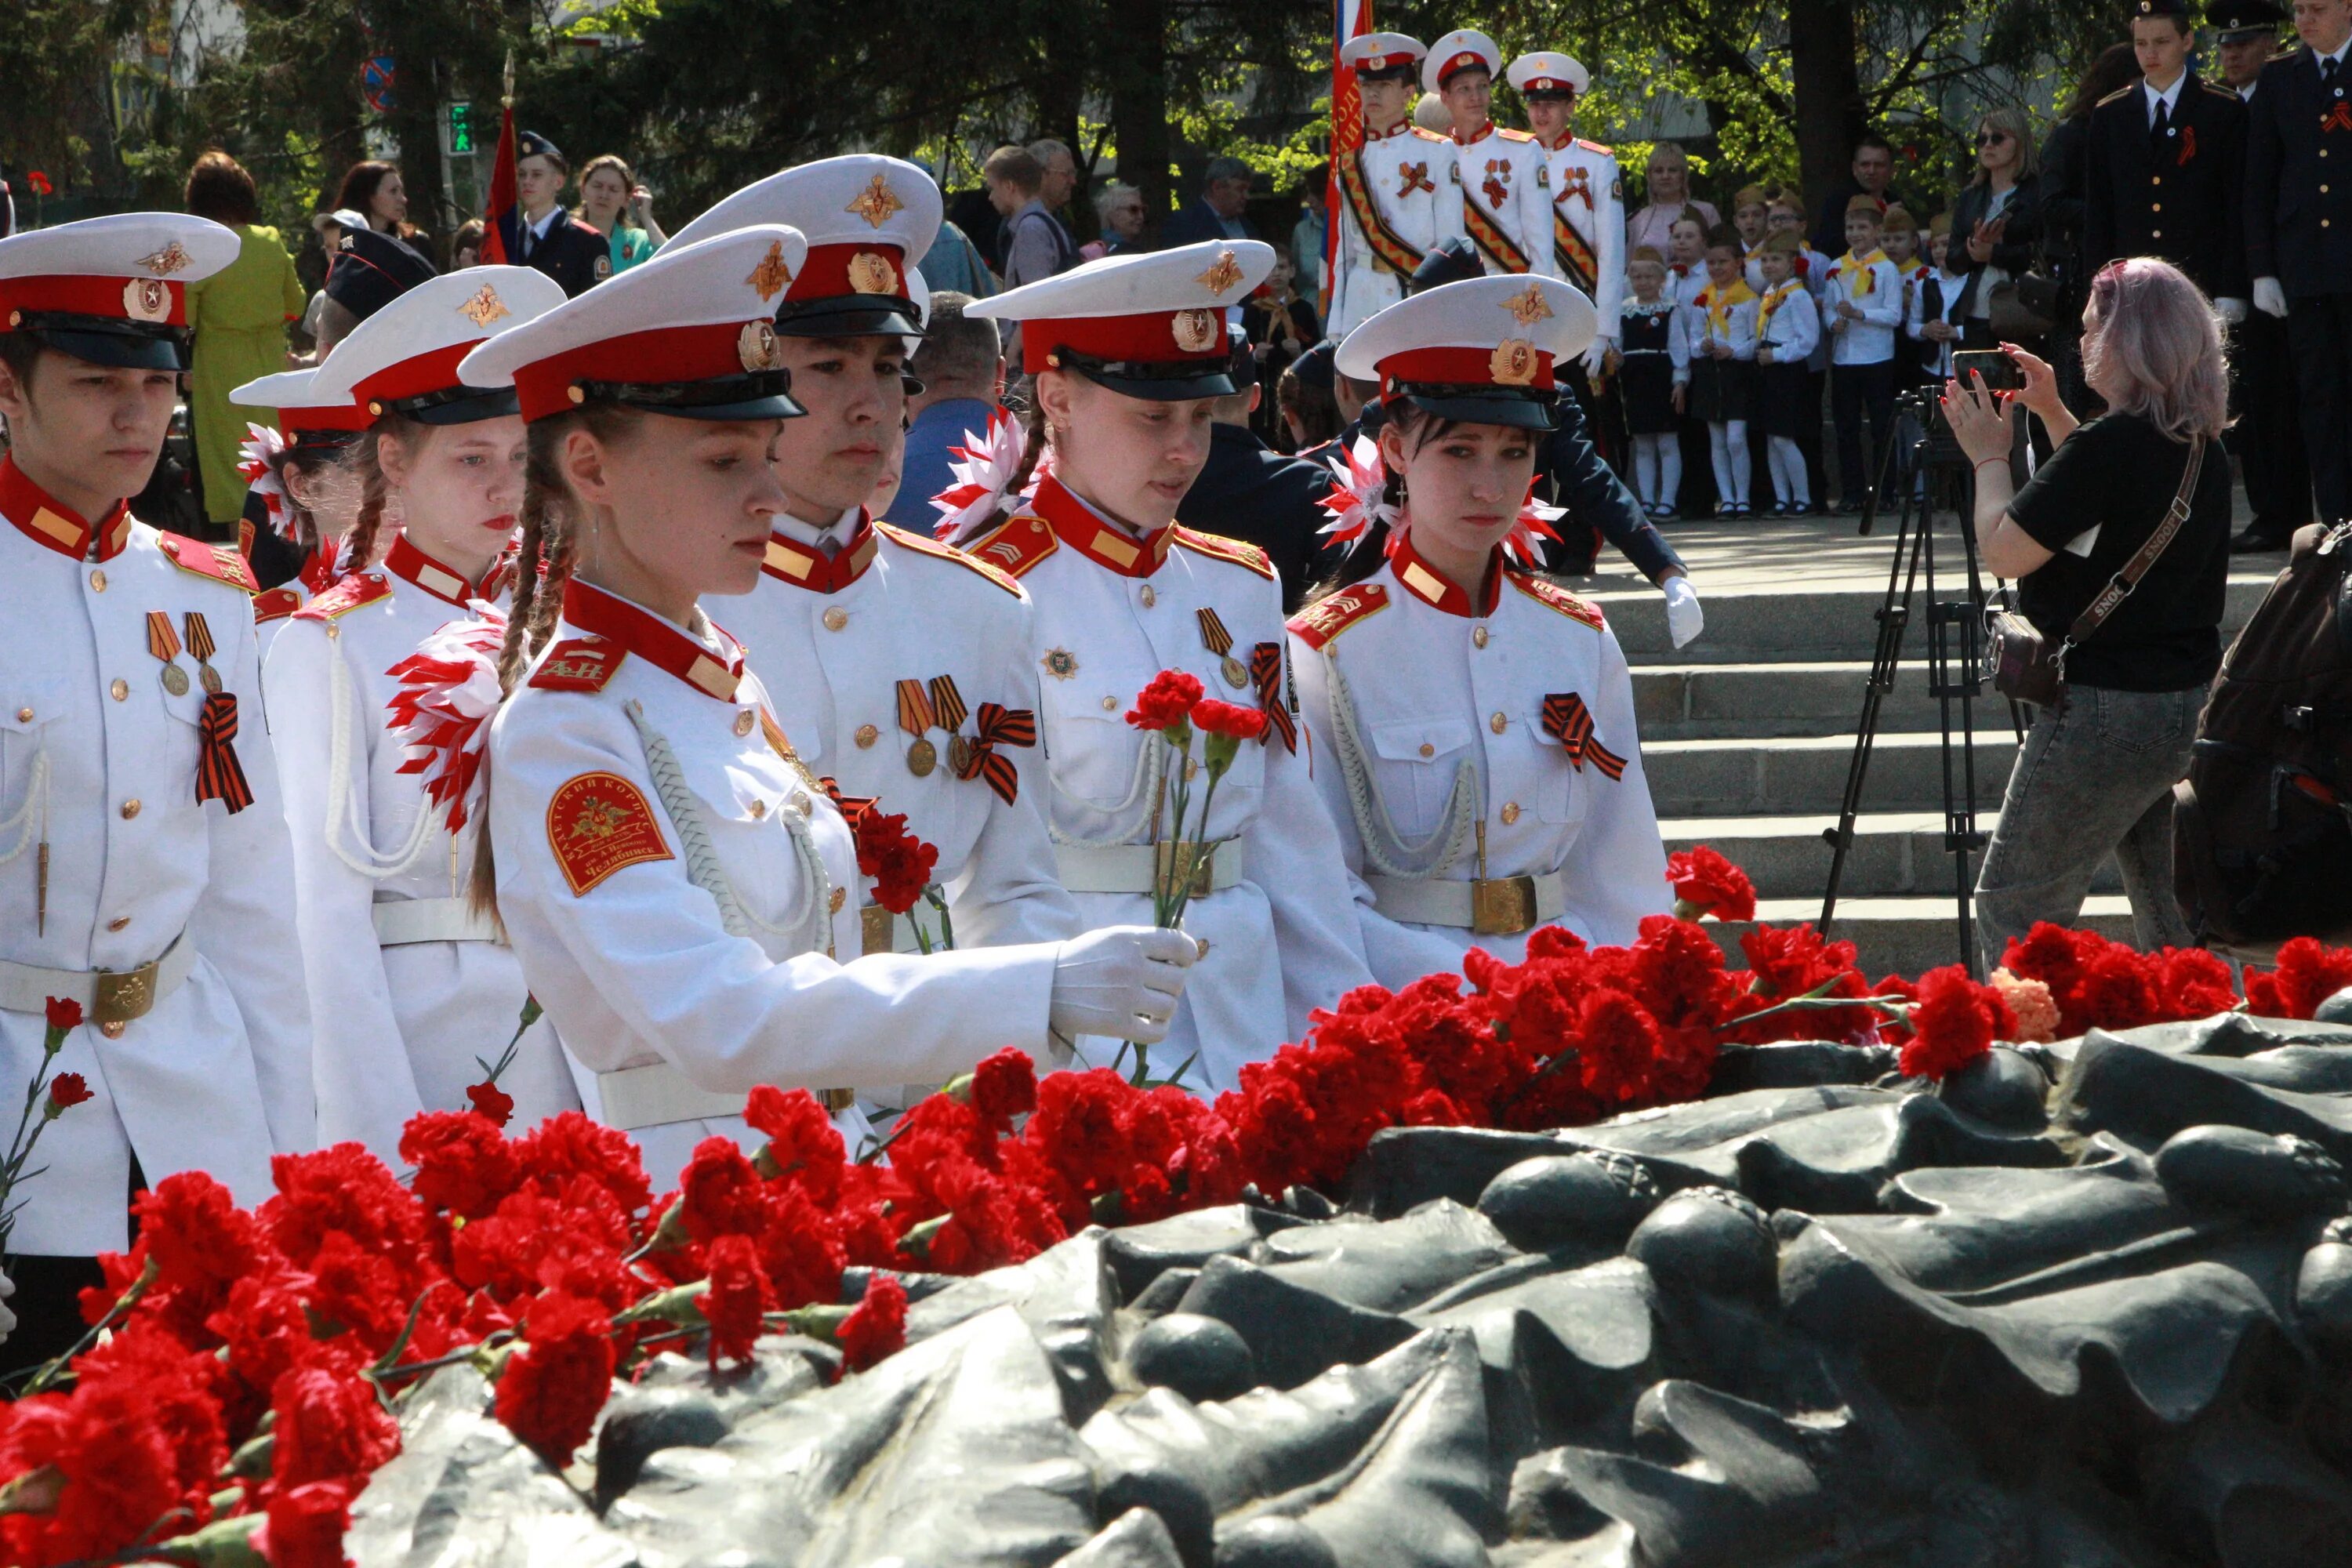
x=2166, y=187
x=572, y=253
x=2298, y=223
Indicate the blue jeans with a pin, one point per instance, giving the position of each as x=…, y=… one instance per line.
x=2094, y=776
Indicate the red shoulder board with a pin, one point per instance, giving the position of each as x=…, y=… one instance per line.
x=578, y=664
x=207, y=561
x=1019, y=543
x=1596, y=147
x=921, y=547
x=347, y=595
x=1507, y=134
x=1544, y=591
x=275, y=605
x=1430, y=135
x=1224, y=549
x=1320, y=621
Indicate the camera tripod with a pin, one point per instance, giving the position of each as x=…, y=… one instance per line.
x=1939, y=480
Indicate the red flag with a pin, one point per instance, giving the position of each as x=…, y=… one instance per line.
x=502, y=199
x=1349, y=19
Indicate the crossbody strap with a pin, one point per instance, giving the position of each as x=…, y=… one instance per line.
x=2119, y=587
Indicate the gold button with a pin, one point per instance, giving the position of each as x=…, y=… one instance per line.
x=24, y=715
x=2156, y=179
x=1202, y=944
x=1111, y=704
x=759, y=810
x=1427, y=750
x=867, y=735
x=1510, y=812
x=98, y=582
x=2155, y=206
x=840, y=897
x=1149, y=597
x=111, y=1031
x=130, y=809
x=743, y=721
x=2158, y=234
x=1478, y=636
x=118, y=923
x=836, y=618
x=1498, y=723
x=120, y=689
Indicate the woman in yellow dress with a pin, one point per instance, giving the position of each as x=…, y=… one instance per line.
x=240, y=317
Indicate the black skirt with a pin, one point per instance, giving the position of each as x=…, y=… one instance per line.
x=1791, y=404
x=1648, y=380
x=1722, y=390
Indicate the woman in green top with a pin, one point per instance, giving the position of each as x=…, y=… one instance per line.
x=240, y=317
x=615, y=206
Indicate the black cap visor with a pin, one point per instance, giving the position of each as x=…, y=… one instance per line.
x=1154, y=381
x=1407, y=73
x=761, y=394
x=850, y=316
x=1521, y=408
x=109, y=341
x=458, y=405
x=1549, y=95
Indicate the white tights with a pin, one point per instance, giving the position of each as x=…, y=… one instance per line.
x=1657, y=469
x=1728, y=438
x=1788, y=483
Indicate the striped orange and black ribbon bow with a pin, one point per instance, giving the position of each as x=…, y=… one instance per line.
x=2337, y=118
x=1567, y=719
x=218, y=774
x=1265, y=672
x=999, y=726
x=851, y=807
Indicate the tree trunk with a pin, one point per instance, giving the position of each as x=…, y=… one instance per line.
x=1828, y=93
x=1139, y=105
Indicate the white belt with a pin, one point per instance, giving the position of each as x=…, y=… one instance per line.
x=1140, y=868
x=657, y=1093
x=400, y=922
x=107, y=996
x=1496, y=906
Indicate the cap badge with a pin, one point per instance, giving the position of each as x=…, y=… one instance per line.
x=755, y=345
x=147, y=300
x=484, y=308
x=1196, y=330
x=772, y=275
x=1528, y=306
x=1223, y=275
x=870, y=273
x=1513, y=362
x=344, y=242
x=877, y=203
x=166, y=261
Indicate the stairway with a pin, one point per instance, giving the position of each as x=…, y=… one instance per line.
x=1746, y=734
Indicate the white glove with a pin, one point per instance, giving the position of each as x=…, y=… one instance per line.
x=1597, y=353
x=1685, y=619
x=1122, y=982
x=7, y=1315
x=2269, y=297
x=2231, y=312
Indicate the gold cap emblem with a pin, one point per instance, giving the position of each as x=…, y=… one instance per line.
x=772, y=275
x=870, y=273
x=147, y=300
x=755, y=345
x=1513, y=362
x=1220, y=276
x=1528, y=306
x=484, y=308
x=1196, y=330
x=876, y=203
x=166, y=261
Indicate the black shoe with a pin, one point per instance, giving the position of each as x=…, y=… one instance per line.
x=2253, y=543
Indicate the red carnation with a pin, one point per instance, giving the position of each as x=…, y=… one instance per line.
x=1167, y=703
x=1706, y=884
x=878, y=1326
x=802, y=1142
x=1211, y=717
x=719, y=1194
x=38, y=182
x=305, y=1526
x=2307, y=975
x=67, y=1089
x=899, y=863
x=554, y=1386
x=63, y=1013
x=491, y=1102
x=464, y=1164
x=330, y=1428
x=738, y=1295
x=1954, y=1022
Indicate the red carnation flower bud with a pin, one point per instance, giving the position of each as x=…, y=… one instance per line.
x=1212, y=717
x=1708, y=884
x=554, y=1386
x=738, y=1295
x=1167, y=703
x=491, y=1101
x=1954, y=1022
x=878, y=1327
x=899, y=863
x=67, y=1089
x=64, y=1013
x=305, y=1526
x=1005, y=1086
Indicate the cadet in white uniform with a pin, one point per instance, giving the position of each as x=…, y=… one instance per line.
x=674, y=878
x=1501, y=175
x=1481, y=757
x=1588, y=193
x=421, y=990
x=1396, y=203
x=899, y=667
x=144, y=869
x=1128, y=354
x=284, y=466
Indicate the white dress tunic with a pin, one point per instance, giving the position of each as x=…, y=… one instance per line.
x=676, y=883
x=98, y=760
x=415, y=994
x=1435, y=710
x=1112, y=611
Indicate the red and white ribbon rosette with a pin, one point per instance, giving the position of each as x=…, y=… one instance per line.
x=989, y=463
x=257, y=467
x=1535, y=522
x=1359, y=496
x=448, y=694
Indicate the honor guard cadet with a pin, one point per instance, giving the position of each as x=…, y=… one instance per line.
x=675, y=879
x=1396, y=202
x=284, y=465
x=2162, y=165
x=420, y=987
x=899, y=667
x=143, y=860
x=538, y=233
x=1502, y=176
x=1130, y=354
x=1588, y=193
x=1480, y=754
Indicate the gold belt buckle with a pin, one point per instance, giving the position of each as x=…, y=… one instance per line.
x=876, y=932
x=1172, y=854
x=1502, y=906
x=836, y=1101
x=122, y=994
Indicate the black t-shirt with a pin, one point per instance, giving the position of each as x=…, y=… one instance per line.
x=2119, y=474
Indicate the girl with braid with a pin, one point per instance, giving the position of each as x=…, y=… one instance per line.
x=682, y=892
x=414, y=992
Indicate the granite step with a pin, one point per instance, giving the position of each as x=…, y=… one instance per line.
x=1894, y=854
x=1806, y=773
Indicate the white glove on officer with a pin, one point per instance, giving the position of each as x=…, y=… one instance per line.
x=1122, y=982
x=1685, y=619
x=2231, y=312
x=1596, y=356
x=2269, y=297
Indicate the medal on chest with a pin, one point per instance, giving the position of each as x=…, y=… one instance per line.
x=1220, y=642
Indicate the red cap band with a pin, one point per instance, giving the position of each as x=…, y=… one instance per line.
x=1155, y=337
x=1467, y=57
x=1547, y=84
x=123, y=298
x=338, y=416
x=1383, y=62
x=435, y=371
x=877, y=270
x=661, y=356
x=1470, y=367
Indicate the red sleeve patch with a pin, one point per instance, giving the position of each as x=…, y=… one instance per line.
x=578, y=664
x=221, y=566
x=1325, y=619
x=598, y=824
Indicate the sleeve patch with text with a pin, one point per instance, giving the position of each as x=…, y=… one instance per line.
x=598, y=824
